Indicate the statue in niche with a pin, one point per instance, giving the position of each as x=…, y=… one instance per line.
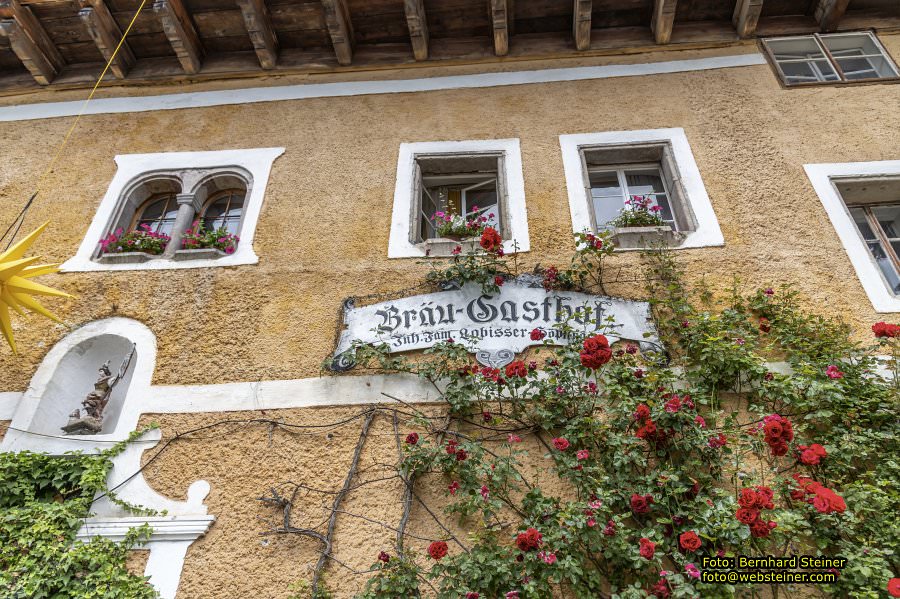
x=95, y=402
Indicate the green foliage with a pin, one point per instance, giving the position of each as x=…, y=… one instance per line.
x=43, y=499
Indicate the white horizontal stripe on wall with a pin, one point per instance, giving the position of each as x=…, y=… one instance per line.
x=48, y=110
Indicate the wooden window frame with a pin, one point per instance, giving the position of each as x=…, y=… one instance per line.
x=842, y=80
x=877, y=230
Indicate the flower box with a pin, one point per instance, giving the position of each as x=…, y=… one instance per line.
x=198, y=254
x=442, y=247
x=125, y=258
x=644, y=237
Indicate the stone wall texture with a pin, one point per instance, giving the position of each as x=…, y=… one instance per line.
x=323, y=234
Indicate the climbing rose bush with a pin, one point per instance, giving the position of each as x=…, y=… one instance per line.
x=657, y=460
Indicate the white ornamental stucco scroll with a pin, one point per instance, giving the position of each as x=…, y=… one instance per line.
x=494, y=326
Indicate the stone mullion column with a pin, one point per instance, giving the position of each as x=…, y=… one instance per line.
x=188, y=208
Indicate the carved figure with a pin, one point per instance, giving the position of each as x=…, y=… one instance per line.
x=96, y=401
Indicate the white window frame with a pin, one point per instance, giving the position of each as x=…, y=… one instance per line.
x=823, y=178
x=132, y=167
x=405, y=200
x=706, y=232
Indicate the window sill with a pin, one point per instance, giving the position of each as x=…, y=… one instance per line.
x=638, y=238
x=443, y=247
x=201, y=258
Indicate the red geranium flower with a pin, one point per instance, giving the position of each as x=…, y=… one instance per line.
x=689, y=541
x=437, y=550
x=490, y=239
x=647, y=548
x=893, y=587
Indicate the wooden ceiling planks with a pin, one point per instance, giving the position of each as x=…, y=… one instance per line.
x=244, y=37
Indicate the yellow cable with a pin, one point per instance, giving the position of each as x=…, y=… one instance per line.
x=89, y=98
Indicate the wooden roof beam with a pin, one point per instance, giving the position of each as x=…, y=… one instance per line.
x=37, y=63
x=30, y=41
x=259, y=28
x=581, y=24
x=106, y=35
x=418, y=27
x=340, y=28
x=746, y=16
x=829, y=13
x=663, y=20
x=500, y=19
x=177, y=24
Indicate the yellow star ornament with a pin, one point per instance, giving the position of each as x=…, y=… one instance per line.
x=17, y=288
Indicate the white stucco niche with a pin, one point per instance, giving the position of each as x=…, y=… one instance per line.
x=61, y=382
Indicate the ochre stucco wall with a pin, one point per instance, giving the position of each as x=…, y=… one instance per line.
x=322, y=236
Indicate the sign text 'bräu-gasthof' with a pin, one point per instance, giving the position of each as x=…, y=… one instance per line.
x=495, y=326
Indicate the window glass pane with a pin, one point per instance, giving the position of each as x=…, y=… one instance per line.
x=889, y=219
x=154, y=210
x=225, y=212
x=860, y=42
x=606, y=209
x=485, y=200
x=859, y=217
x=886, y=265
x=865, y=68
x=604, y=185
x=644, y=182
x=818, y=70
x=795, y=47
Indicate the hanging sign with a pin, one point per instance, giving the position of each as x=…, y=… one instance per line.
x=496, y=326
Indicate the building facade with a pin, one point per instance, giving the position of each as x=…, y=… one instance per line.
x=768, y=134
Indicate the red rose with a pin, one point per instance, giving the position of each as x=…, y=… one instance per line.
x=689, y=541
x=437, y=550
x=761, y=528
x=561, y=443
x=764, y=325
x=883, y=329
x=893, y=587
x=538, y=335
x=764, y=497
x=461, y=455
x=498, y=281
x=596, y=359
x=747, y=498
x=640, y=504
x=412, y=438
x=747, y=515
x=490, y=239
x=454, y=487
x=809, y=457
x=529, y=540
x=472, y=595
x=647, y=548
x=642, y=412
x=779, y=449
x=384, y=557
x=516, y=369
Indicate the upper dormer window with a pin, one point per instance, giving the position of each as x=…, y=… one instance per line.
x=830, y=58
